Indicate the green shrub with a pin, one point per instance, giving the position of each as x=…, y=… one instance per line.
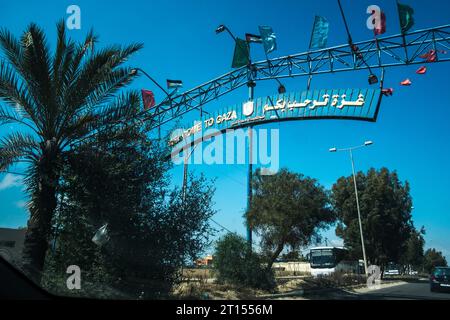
x=236, y=264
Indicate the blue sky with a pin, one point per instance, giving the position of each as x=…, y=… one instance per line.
x=410, y=135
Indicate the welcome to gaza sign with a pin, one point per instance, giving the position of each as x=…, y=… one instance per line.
x=352, y=104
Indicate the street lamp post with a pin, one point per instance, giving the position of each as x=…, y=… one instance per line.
x=186, y=154
x=186, y=157
x=136, y=70
x=251, y=91
x=169, y=97
x=350, y=150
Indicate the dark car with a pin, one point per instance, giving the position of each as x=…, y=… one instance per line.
x=440, y=279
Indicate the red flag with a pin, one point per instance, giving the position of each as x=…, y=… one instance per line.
x=422, y=70
x=430, y=56
x=148, y=98
x=406, y=82
x=381, y=28
x=388, y=92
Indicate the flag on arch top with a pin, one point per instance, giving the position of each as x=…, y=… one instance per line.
x=171, y=84
x=406, y=82
x=388, y=92
x=148, y=98
x=241, y=56
x=269, y=38
x=253, y=38
x=406, y=15
x=422, y=70
x=430, y=56
x=381, y=27
x=319, y=35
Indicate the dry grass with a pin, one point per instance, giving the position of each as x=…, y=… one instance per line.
x=336, y=280
x=214, y=291
x=198, y=284
x=197, y=274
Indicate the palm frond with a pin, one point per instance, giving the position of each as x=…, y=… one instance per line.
x=80, y=127
x=59, y=61
x=66, y=96
x=97, y=70
x=10, y=117
x=107, y=89
x=37, y=65
x=72, y=67
x=16, y=146
x=88, y=43
x=12, y=48
x=124, y=108
x=99, y=79
x=14, y=92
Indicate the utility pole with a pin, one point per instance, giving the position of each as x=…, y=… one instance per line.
x=251, y=90
x=367, y=143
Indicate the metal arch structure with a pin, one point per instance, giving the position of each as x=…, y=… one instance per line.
x=391, y=51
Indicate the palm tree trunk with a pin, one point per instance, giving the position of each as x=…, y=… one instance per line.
x=39, y=227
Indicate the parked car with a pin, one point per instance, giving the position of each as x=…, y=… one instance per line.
x=392, y=269
x=440, y=279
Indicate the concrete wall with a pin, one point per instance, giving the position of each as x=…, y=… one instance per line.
x=293, y=266
x=11, y=245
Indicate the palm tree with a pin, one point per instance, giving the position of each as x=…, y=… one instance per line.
x=53, y=102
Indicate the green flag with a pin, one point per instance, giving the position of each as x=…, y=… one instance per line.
x=241, y=54
x=406, y=17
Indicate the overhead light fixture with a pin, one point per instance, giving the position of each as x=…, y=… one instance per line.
x=373, y=79
x=220, y=29
x=281, y=89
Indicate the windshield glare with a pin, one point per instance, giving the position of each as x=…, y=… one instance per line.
x=442, y=272
x=322, y=258
x=172, y=150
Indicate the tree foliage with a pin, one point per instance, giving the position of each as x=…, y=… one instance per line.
x=123, y=182
x=385, y=204
x=413, y=253
x=432, y=259
x=287, y=209
x=237, y=264
x=55, y=99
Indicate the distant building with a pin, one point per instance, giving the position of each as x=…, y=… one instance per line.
x=204, y=262
x=11, y=245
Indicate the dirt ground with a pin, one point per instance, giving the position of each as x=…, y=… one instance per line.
x=199, y=284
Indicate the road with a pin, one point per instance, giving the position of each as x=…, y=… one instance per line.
x=418, y=290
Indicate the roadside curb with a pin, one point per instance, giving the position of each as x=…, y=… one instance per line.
x=304, y=292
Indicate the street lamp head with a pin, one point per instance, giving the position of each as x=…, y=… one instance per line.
x=333, y=150
x=368, y=143
x=373, y=79
x=281, y=89
x=134, y=71
x=220, y=29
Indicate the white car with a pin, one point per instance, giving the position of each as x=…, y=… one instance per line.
x=392, y=272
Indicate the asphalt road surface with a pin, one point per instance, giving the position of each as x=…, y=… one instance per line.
x=418, y=290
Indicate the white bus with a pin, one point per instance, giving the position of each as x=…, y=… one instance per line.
x=327, y=260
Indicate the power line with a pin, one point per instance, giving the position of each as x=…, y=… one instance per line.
x=233, y=179
x=224, y=228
